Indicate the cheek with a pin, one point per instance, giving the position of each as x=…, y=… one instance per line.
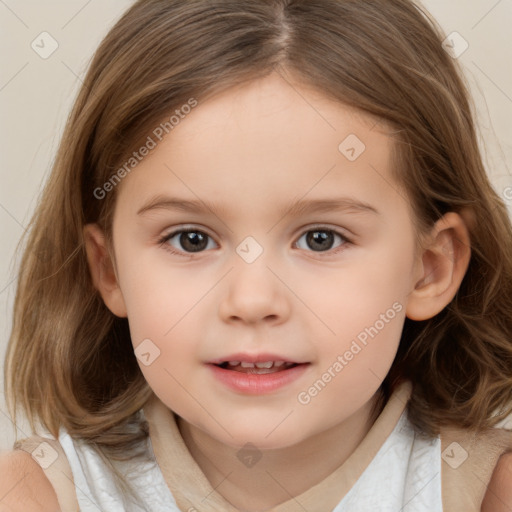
x=366, y=312
x=159, y=295
x=165, y=331
x=166, y=311
x=373, y=283
x=363, y=310
x=358, y=309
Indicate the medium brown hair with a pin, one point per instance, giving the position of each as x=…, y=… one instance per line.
x=70, y=361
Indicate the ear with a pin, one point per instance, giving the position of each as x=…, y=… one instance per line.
x=102, y=270
x=443, y=265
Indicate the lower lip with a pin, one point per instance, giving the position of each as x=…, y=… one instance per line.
x=257, y=384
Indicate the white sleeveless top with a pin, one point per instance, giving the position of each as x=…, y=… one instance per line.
x=96, y=489
x=405, y=475
x=392, y=469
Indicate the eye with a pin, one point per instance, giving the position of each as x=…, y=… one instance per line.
x=322, y=239
x=185, y=242
x=189, y=240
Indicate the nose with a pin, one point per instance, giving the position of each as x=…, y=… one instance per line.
x=254, y=294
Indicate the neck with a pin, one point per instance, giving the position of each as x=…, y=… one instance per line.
x=280, y=474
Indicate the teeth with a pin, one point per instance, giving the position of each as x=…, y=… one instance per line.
x=266, y=364
x=257, y=368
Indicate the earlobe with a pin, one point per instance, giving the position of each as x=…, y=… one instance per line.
x=102, y=270
x=444, y=263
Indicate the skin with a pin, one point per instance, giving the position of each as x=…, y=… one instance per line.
x=498, y=497
x=254, y=150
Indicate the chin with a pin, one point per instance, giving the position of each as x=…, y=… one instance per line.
x=259, y=437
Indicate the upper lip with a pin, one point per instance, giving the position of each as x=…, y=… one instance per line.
x=253, y=358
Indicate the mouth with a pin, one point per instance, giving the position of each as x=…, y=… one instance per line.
x=261, y=368
x=257, y=374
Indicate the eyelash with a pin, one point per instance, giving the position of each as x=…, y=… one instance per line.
x=163, y=241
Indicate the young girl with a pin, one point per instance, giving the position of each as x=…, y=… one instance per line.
x=268, y=272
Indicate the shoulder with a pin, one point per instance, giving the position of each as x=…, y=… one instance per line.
x=24, y=486
x=498, y=497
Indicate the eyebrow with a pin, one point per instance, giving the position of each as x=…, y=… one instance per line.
x=299, y=207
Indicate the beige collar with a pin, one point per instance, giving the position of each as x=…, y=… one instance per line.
x=191, y=488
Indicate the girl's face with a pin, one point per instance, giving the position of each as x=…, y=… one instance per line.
x=327, y=286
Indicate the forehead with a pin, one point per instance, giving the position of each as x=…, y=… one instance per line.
x=266, y=143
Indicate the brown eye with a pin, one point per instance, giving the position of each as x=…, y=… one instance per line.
x=188, y=240
x=321, y=240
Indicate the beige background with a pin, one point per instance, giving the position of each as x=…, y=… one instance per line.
x=36, y=95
